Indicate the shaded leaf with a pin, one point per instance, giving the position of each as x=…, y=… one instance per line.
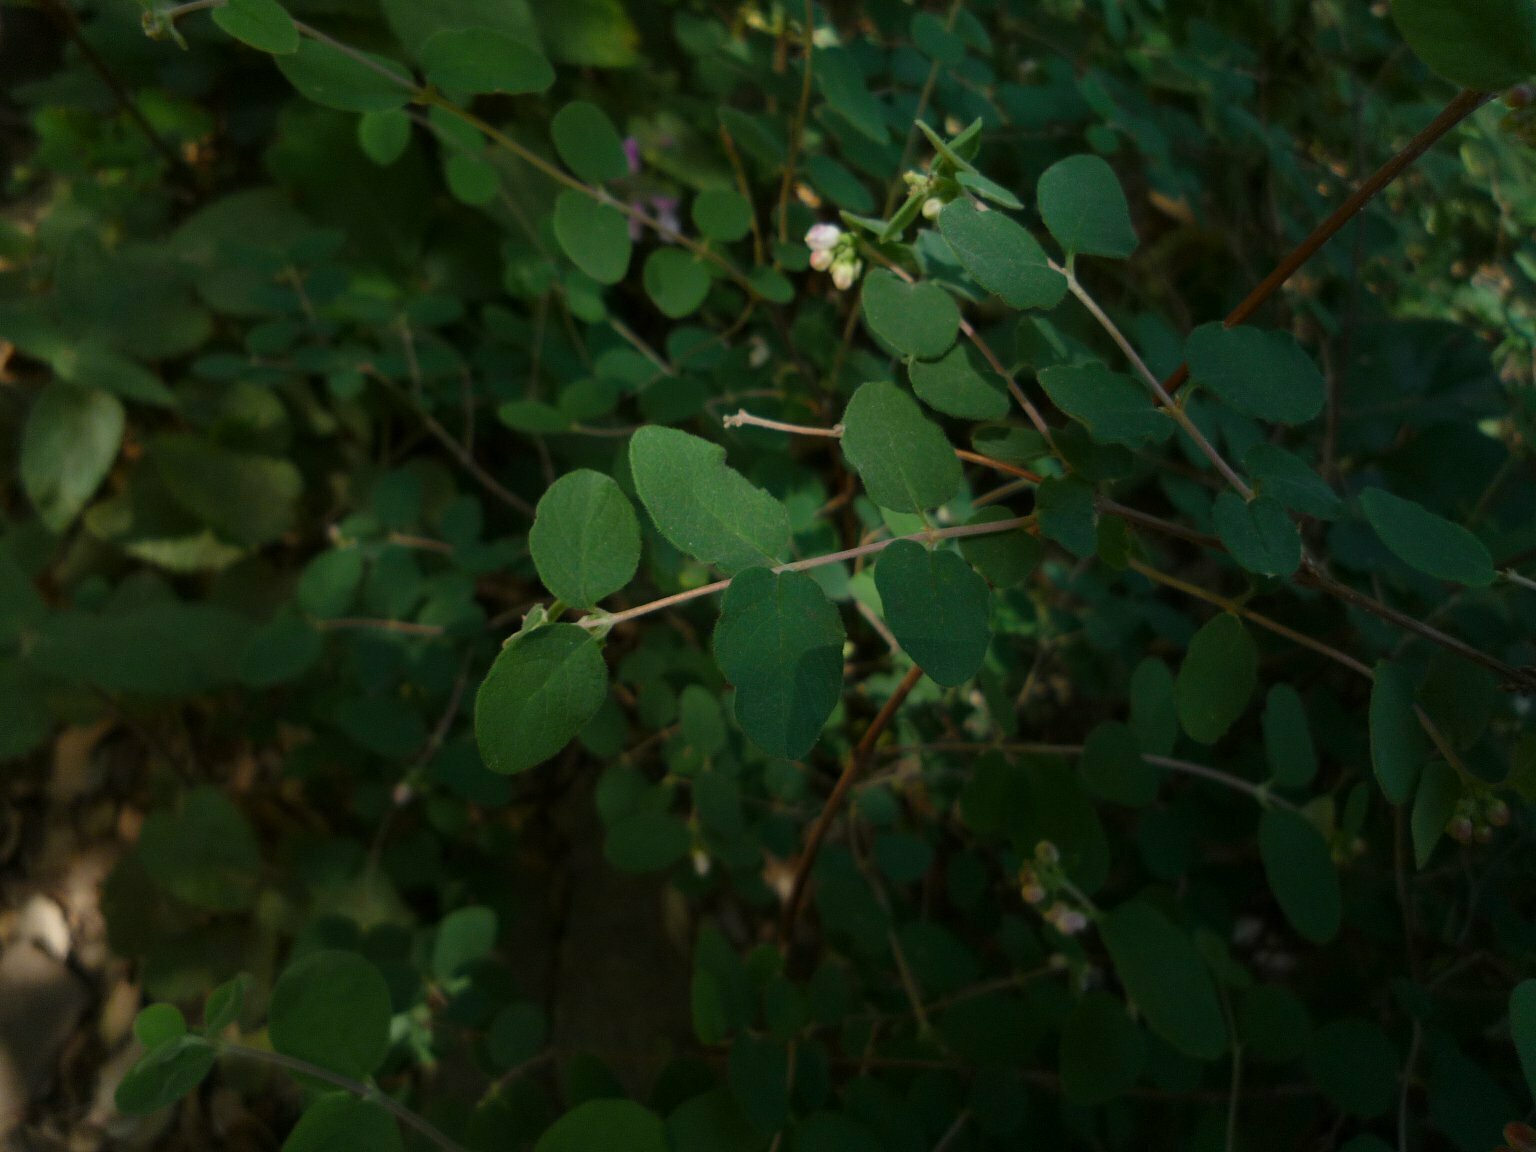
x=585, y=538
x=1001, y=256
x=1084, y=208
x=938, y=609
x=541, y=691
x=1428, y=543
x=903, y=457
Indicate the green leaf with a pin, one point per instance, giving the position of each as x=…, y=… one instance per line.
x=70, y=441
x=1084, y=208
x=339, y=1122
x=588, y=33
x=1486, y=45
x=1259, y=533
x=722, y=214
x=517, y=1033
x=1287, y=739
x=1217, y=677
x=1006, y=559
x=957, y=386
x=225, y=1004
x=1522, y=1027
x=332, y=1009
x=247, y=499
x=1113, y=407
x=1113, y=767
x=204, y=854
x=159, y=1024
x=335, y=80
x=846, y=91
x=1398, y=742
x=1262, y=374
x=541, y=691
x=1001, y=256
x=588, y=143
x=646, y=841
x=283, y=649
x=1283, y=477
x=605, y=1126
x=1299, y=867
x=903, y=457
x=938, y=609
x=595, y=236
x=1165, y=976
x=329, y=583
x=1102, y=1051
x=384, y=136
x=676, y=281
x=780, y=643
x=702, y=505
x=414, y=23
x=585, y=538
x=932, y=36
x=1154, y=715
x=1427, y=543
x=465, y=936
x=1433, y=806
x=263, y=24
x=164, y=1076
x=920, y=320
x=1064, y=505
x=476, y=60
x=1355, y=1066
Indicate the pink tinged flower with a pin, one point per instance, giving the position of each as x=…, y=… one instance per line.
x=823, y=237
x=821, y=259
x=1033, y=891
x=632, y=153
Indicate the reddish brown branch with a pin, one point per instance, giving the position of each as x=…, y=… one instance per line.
x=856, y=762
x=1465, y=103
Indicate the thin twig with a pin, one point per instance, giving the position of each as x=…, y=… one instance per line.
x=355, y=1087
x=1465, y=103
x=856, y=762
x=802, y=111
x=742, y=418
x=1177, y=413
x=353, y=623
x=960, y=530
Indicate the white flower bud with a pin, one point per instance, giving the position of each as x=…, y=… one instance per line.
x=823, y=237
x=821, y=259
x=845, y=273
x=932, y=207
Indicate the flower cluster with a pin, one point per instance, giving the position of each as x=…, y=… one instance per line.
x=835, y=250
x=1476, y=816
x=1038, y=884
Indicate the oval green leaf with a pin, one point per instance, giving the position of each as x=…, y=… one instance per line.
x=1299, y=867
x=1102, y=1051
x=1217, y=677
x=332, y=1009
x=1398, y=742
x=704, y=506
x=1259, y=533
x=938, y=609
x=541, y=691
x=338, y=1122
x=335, y=80
x=1163, y=973
x=920, y=320
x=588, y=143
x=262, y=24
x=1486, y=45
x=476, y=60
x=903, y=457
x=1113, y=407
x=957, y=386
x=585, y=538
x=1427, y=543
x=780, y=643
x=605, y=1126
x=595, y=236
x=1001, y=256
x=1084, y=207
x=1262, y=374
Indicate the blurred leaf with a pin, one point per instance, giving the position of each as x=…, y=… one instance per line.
x=1217, y=678
x=204, y=854
x=595, y=236
x=334, y=79
x=71, y=439
x=1262, y=374
x=263, y=24
x=1300, y=870
x=605, y=1126
x=1102, y=1051
x=479, y=60
x=1167, y=979
x=588, y=143
x=331, y=1009
x=338, y=1122
x=1486, y=45
x=1398, y=742
x=1258, y=533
